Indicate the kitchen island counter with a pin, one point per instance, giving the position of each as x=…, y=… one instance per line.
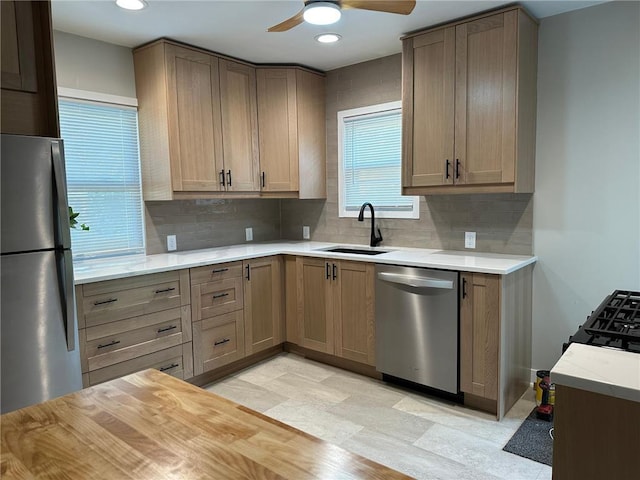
x=88, y=271
x=150, y=425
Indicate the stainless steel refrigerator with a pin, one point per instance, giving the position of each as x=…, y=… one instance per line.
x=40, y=358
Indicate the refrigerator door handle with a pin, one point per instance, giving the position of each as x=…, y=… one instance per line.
x=61, y=193
x=68, y=310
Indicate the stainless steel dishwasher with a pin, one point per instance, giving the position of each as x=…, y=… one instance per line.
x=417, y=325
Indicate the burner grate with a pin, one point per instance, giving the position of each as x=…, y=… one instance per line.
x=617, y=318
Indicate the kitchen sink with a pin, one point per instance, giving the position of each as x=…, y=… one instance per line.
x=356, y=251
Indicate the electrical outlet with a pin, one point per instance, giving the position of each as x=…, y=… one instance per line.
x=172, y=244
x=305, y=232
x=469, y=239
x=248, y=233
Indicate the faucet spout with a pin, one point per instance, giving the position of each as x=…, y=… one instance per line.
x=375, y=239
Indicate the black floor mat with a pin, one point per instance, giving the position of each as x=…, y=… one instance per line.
x=532, y=440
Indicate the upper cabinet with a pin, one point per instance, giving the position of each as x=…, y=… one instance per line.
x=469, y=97
x=29, y=98
x=291, y=125
x=210, y=127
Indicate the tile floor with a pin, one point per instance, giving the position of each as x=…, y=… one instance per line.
x=421, y=436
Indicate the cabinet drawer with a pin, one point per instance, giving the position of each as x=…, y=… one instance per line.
x=173, y=361
x=214, y=273
x=218, y=341
x=116, y=342
x=217, y=298
x=114, y=300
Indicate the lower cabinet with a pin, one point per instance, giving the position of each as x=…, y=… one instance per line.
x=263, y=304
x=479, y=334
x=495, y=338
x=335, y=308
x=130, y=324
x=237, y=311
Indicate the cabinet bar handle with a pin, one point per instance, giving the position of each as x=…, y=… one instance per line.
x=457, y=168
x=263, y=179
x=215, y=344
x=248, y=272
x=328, y=270
x=110, y=344
x=166, y=329
x=335, y=271
x=222, y=178
x=220, y=295
x=229, y=177
x=447, y=169
x=219, y=270
x=111, y=300
x=464, y=288
x=165, y=290
x=169, y=367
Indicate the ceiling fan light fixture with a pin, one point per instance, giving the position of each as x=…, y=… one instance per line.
x=327, y=37
x=322, y=13
x=131, y=4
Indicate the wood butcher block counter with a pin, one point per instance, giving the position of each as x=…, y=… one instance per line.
x=150, y=425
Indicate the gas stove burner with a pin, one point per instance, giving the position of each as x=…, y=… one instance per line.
x=615, y=323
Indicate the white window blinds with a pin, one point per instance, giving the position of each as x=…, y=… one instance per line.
x=103, y=177
x=370, y=146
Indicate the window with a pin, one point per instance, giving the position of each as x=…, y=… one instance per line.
x=369, y=169
x=103, y=177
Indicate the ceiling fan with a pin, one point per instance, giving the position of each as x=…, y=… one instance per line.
x=314, y=10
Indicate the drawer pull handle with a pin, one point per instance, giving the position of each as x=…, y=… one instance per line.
x=220, y=295
x=165, y=290
x=166, y=329
x=169, y=367
x=215, y=344
x=110, y=344
x=111, y=300
x=219, y=270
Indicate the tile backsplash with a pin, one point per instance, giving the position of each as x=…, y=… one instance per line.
x=210, y=223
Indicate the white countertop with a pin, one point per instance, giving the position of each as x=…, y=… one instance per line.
x=600, y=370
x=88, y=271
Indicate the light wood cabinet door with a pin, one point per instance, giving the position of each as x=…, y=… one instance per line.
x=353, y=311
x=486, y=63
x=428, y=109
x=29, y=97
x=263, y=325
x=468, y=100
x=278, y=127
x=315, y=312
x=480, y=334
x=195, y=134
x=239, y=126
x=217, y=341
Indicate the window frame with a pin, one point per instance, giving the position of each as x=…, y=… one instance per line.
x=108, y=100
x=368, y=111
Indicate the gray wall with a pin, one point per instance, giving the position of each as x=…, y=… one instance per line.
x=587, y=200
x=503, y=222
x=87, y=64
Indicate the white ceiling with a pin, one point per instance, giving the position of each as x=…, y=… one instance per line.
x=239, y=28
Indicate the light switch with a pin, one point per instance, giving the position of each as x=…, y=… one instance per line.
x=172, y=244
x=305, y=232
x=469, y=239
x=248, y=234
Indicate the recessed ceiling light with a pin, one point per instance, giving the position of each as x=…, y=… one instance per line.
x=328, y=37
x=321, y=13
x=131, y=4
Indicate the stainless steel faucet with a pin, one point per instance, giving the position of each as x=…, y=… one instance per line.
x=375, y=239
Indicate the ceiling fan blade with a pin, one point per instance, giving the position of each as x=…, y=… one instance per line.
x=289, y=23
x=389, y=6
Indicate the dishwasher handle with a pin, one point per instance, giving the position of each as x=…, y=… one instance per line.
x=413, y=281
